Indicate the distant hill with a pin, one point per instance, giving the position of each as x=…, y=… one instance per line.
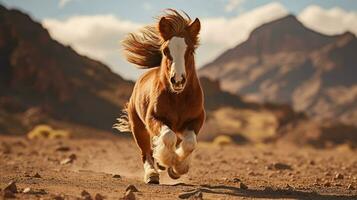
x=285, y=62
x=41, y=77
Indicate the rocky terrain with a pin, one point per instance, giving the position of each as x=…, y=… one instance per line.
x=285, y=62
x=105, y=166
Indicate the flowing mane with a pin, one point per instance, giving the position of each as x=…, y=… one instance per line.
x=144, y=47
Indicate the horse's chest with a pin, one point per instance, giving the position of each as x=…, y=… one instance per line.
x=175, y=112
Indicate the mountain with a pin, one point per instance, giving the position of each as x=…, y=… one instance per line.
x=41, y=77
x=285, y=62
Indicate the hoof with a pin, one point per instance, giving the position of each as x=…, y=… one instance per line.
x=162, y=168
x=152, y=179
x=172, y=173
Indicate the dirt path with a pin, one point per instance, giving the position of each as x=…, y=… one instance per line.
x=268, y=171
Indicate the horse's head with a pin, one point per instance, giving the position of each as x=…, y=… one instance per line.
x=180, y=37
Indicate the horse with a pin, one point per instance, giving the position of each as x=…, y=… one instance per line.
x=166, y=110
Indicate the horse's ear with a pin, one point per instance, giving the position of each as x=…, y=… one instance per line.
x=195, y=27
x=165, y=28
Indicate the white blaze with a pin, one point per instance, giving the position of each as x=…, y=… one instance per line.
x=177, y=47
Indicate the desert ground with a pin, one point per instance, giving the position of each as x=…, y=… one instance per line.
x=104, y=165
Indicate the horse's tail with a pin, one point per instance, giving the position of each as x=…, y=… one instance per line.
x=123, y=124
x=143, y=48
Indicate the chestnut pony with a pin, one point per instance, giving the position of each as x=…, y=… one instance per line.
x=165, y=111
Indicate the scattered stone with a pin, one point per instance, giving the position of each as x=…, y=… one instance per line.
x=129, y=195
x=63, y=148
x=350, y=187
x=279, y=166
x=131, y=188
x=68, y=160
x=98, y=197
x=11, y=187
x=73, y=156
x=339, y=176
x=26, y=190
x=37, y=175
x=327, y=184
x=338, y=184
x=236, y=180
x=116, y=176
x=85, y=195
x=243, y=186
x=312, y=162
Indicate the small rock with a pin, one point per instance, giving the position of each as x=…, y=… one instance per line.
x=26, y=190
x=11, y=187
x=68, y=160
x=311, y=162
x=339, y=176
x=58, y=197
x=327, y=184
x=116, y=176
x=350, y=187
x=236, y=180
x=63, y=148
x=85, y=195
x=129, y=195
x=98, y=197
x=131, y=188
x=73, y=156
x=279, y=166
x=243, y=186
x=37, y=175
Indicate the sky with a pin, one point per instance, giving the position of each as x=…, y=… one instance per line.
x=95, y=27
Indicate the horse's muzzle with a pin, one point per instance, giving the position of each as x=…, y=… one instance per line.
x=178, y=86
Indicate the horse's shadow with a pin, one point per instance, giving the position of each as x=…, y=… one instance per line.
x=266, y=193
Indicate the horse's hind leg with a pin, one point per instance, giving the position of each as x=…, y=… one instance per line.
x=142, y=138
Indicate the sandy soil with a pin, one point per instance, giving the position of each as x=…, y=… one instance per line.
x=217, y=172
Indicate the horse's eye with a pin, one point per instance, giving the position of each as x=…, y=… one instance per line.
x=166, y=52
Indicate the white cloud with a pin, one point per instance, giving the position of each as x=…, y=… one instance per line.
x=221, y=33
x=96, y=36
x=329, y=21
x=233, y=4
x=62, y=3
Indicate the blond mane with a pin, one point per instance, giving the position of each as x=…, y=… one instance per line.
x=144, y=47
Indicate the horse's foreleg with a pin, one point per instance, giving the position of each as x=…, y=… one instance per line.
x=142, y=138
x=184, y=152
x=164, y=147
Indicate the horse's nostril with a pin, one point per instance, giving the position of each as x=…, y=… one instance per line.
x=183, y=79
x=173, y=80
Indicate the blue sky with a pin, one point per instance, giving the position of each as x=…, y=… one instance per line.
x=76, y=22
